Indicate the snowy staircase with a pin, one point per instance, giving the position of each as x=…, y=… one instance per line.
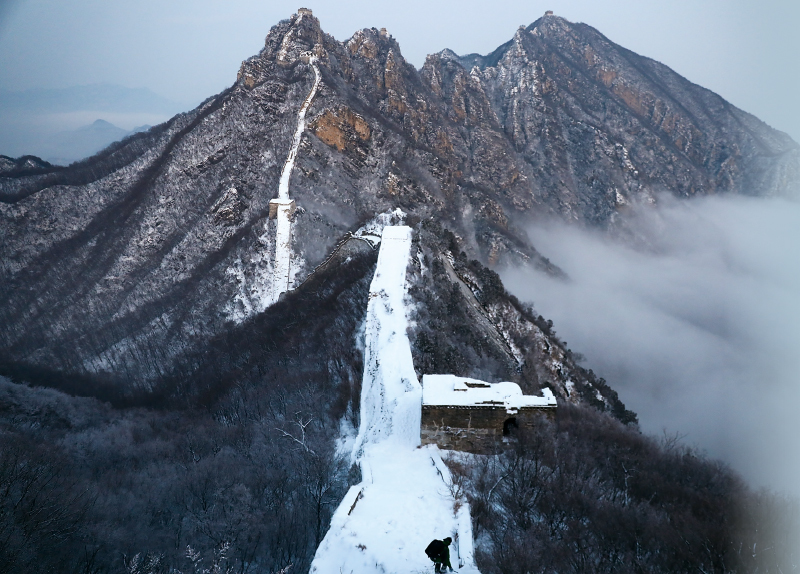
x=404, y=500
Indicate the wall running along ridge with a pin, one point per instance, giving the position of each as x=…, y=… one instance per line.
x=384, y=524
x=283, y=186
x=262, y=278
x=283, y=207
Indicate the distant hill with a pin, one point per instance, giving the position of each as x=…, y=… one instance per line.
x=72, y=145
x=55, y=124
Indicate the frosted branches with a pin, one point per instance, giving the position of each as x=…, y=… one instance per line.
x=301, y=438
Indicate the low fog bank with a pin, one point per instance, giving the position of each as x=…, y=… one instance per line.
x=697, y=326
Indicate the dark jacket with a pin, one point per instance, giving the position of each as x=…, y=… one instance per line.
x=439, y=552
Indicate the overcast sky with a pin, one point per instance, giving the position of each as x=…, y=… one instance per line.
x=745, y=50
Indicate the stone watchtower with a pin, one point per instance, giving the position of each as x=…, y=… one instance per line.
x=473, y=416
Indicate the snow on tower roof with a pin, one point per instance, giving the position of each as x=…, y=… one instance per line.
x=452, y=391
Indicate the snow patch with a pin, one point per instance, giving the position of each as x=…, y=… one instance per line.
x=254, y=278
x=619, y=198
x=423, y=269
x=347, y=438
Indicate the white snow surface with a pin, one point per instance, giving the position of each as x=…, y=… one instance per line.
x=403, y=502
x=450, y=390
x=283, y=237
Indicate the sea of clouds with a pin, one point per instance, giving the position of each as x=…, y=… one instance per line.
x=693, y=315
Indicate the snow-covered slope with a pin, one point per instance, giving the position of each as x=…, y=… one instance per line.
x=404, y=501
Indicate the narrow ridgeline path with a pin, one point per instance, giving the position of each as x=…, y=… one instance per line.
x=282, y=208
x=403, y=502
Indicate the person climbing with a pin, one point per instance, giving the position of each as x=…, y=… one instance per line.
x=439, y=552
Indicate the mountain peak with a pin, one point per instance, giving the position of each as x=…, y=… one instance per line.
x=303, y=35
x=99, y=123
x=448, y=54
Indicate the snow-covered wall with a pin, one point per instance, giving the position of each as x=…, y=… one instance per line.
x=283, y=186
x=391, y=395
x=283, y=248
x=285, y=206
x=404, y=501
x=270, y=277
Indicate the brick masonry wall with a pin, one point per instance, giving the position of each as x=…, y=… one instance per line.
x=472, y=429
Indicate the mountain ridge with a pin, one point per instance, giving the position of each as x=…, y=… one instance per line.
x=138, y=240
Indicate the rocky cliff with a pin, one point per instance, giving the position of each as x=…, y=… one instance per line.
x=117, y=269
